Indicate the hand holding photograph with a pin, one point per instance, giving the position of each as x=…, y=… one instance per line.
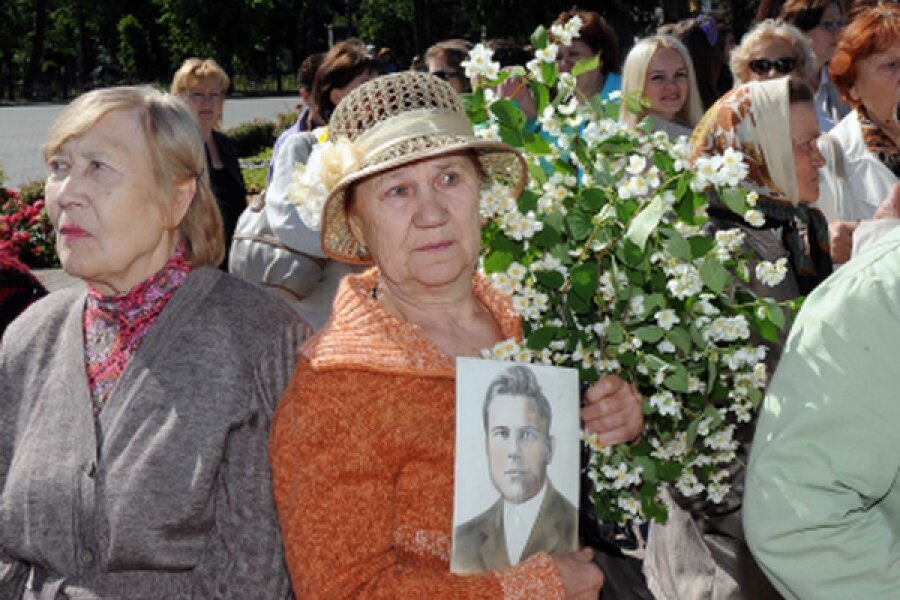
x=517, y=463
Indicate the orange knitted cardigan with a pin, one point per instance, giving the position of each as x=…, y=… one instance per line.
x=362, y=459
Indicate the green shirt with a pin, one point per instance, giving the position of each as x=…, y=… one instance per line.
x=822, y=499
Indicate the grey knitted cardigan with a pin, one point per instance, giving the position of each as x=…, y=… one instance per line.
x=170, y=495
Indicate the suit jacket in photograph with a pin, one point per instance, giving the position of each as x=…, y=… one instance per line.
x=479, y=544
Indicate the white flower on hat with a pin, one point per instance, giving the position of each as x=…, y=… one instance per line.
x=311, y=183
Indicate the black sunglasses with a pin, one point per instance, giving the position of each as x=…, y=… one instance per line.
x=763, y=66
x=445, y=75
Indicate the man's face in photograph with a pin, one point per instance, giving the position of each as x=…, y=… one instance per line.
x=519, y=447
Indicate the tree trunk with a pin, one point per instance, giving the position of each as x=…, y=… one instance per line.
x=37, y=48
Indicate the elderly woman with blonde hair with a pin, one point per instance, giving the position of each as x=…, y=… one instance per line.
x=363, y=441
x=660, y=68
x=133, y=456
x=772, y=49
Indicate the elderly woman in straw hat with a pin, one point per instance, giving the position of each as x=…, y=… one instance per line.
x=133, y=444
x=363, y=441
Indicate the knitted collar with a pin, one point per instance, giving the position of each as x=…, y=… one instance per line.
x=363, y=334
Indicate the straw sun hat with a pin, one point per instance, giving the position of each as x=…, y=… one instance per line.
x=388, y=122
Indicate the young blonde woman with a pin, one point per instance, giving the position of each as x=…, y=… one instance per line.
x=660, y=68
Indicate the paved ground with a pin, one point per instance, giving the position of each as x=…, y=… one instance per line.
x=22, y=131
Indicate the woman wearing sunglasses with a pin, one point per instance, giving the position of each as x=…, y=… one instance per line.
x=821, y=21
x=444, y=60
x=772, y=49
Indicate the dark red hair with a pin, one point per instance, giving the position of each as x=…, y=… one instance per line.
x=873, y=29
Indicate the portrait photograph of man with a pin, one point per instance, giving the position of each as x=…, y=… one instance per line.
x=517, y=463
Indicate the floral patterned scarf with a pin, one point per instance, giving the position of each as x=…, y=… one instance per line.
x=114, y=326
x=878, y=142
x=754, y=119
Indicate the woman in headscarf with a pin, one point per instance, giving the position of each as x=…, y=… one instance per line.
x=700, y=552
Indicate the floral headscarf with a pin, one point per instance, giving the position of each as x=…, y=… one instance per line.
x=754, y=119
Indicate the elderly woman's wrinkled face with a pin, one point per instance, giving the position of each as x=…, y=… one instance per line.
x=823, y=37
x=807, y=158
x=420, y=222
x=877, y=87
x=666, y=83
x=102, y=196
x=206, y=97
x=590, y=82
x=773, y=58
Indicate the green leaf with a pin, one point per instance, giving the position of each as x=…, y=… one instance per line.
x=614, y=334
x=503, y=252
x=649, y=333
x=680, y=337
x=585, y=65
x=769, y=332
x=755, y=397
x=649, y=467
x=594, y=199
x=579, y=304
x=539, y=38
x=692, y=429
x=675, y=244
x=774, y=313
x=668, y=471
x=511, y=136
x=548, y=73
x=550, y=279
x=535, y=143
x=701, y=245
x=527, y=201
x=547, y=238
x=735, y=199
x=541, y=95
x=678, y=380
x=663, y=161
x=584, y=279
x=689, y=207
x=508, y=114
x=473, y=103
x=714, y=275
x=634, y=102
x=646, y=222
x=630, y=254
x=540, y=338
x=580, y=223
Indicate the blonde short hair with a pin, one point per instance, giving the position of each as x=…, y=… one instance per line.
x=195, y=72
x=764, y=31
x=176, y=151
x=634, y=74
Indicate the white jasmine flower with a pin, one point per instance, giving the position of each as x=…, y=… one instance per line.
x=755, y=217
x=666, y=318
x=771, y=274
x=479, y=63
x=666, y=347
x=636, y=164
x=666, y=403
x=548, y=54
x=688, y=485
